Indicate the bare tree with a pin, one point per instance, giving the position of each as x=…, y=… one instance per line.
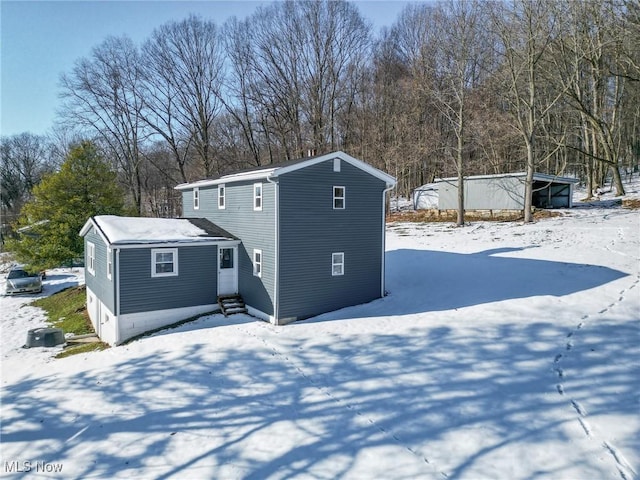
x=102, y=94
x=588, y=61
x=526, y=29
x=302, y=59
x=24, y=159
x=461, y=54
x=183, y=66
x=240, y=93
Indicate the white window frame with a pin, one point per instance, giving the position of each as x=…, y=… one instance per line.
x=109, y=263
x=154, y=262
x=337, y=261
x=196, y=198
x=257, y=262
x=91, y=258
x=257, y=199
x=336, y=197
x=222, y=192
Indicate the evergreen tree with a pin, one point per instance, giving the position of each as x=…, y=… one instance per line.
x=49, y=224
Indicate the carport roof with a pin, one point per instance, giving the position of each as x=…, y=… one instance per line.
x=540, y=177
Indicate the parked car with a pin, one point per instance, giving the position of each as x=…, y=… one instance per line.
x=20, y=280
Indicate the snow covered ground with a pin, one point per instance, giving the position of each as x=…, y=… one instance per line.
x=503, y=351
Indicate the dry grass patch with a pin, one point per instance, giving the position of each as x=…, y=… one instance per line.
x=448, y=216
x=631, y=203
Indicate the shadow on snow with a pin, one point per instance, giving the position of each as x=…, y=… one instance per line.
x=420, y=281
x=246, y=407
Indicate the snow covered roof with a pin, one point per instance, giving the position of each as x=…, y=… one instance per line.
x=138, y=230
x=275, y=170
x=541, y=177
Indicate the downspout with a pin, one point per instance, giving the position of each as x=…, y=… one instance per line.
x=276, y=280
x=384, y=232
x=116, y=278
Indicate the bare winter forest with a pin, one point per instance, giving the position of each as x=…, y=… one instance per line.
x=452, y=88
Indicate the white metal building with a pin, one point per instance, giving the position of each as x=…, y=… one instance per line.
x=505, y=192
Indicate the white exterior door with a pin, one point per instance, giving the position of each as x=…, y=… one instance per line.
x=227, y=270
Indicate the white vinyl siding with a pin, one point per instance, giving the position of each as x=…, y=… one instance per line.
x=91, y=258
x=339, y=194
x=337, y=264
x=164, y=262
x=196, y=198
x=257, y=263
x=257, y=196
x=221, y=197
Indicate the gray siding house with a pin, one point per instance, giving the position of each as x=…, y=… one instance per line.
x=311, y=232
x=294, y=240
x=146, y=273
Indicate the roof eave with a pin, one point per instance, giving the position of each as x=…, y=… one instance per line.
x=388, y=179
x=238, y=177
x=278, y=171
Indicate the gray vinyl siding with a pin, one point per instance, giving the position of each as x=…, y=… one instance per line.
x=311, y=230
x=500, y=193
x=195, y=284
x=99, y=284
x=256, y=229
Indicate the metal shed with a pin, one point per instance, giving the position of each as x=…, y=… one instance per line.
x=506, y=192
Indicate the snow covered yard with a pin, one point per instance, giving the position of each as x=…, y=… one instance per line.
x=502, y=351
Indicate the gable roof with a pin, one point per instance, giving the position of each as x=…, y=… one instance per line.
x=116, y=230
x=276, y=169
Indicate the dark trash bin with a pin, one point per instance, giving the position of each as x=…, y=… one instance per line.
x=44, y=337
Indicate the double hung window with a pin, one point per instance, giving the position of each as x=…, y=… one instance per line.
x=337, y=264
x=221, y=196
x=257, y=196
x=164, y=262
x=196, y=198
x=91, y=258
x=257, y=263
x=339, y=198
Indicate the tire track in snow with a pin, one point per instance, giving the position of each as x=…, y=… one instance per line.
x=327, y=392
x=625, y=470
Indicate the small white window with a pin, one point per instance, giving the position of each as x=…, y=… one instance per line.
x=336, y=164
x=337, y=264
x=164, y=262
x=91, y=258
x=338, y=198
x=109, y=263
x=257, y=196
x=196, y=198
x=257, y=263
x=221, y=196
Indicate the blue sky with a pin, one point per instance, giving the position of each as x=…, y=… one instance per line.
x=40, y=40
